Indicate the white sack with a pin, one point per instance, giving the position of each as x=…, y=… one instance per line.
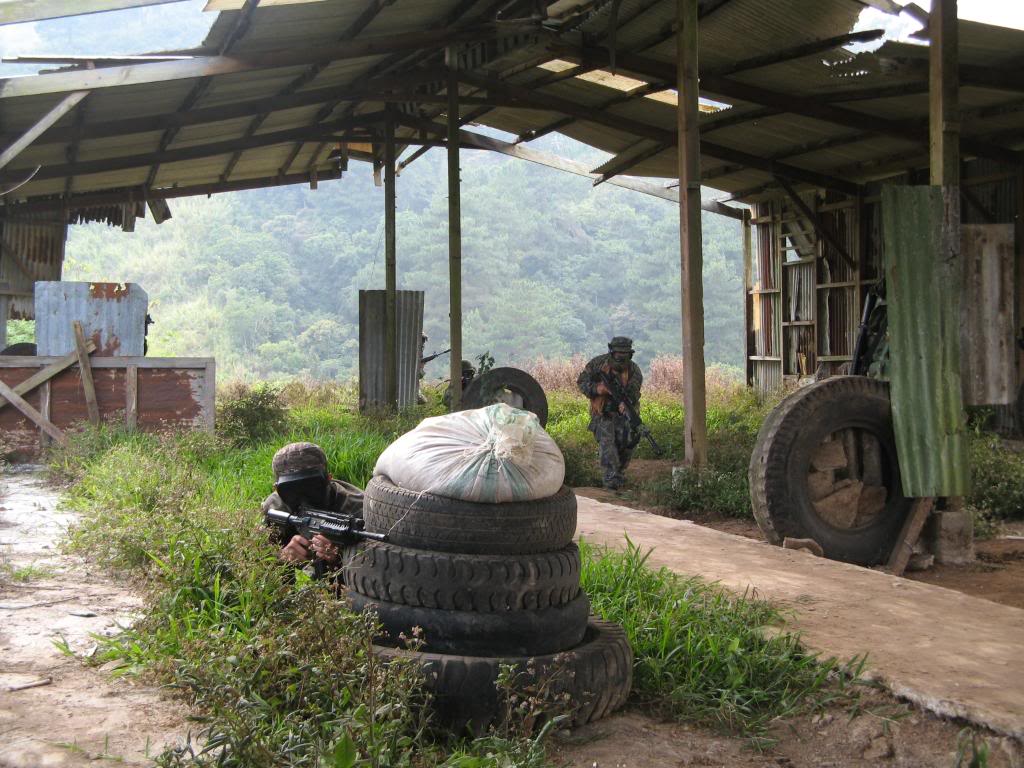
x=493, y=454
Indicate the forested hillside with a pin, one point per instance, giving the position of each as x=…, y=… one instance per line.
x=268, y=280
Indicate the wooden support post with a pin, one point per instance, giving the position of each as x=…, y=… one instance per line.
x=909, y=535
x=19, y=402
x=943, y=96
x=390, y=269
x=454, y=234
x=5, y=310
x=131, y=397
x=85, y=369
x=44, y=411
x=694, y=401
x=748, y=309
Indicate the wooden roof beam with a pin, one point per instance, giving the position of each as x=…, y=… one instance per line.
x=795, y=52
x=370, y=12
x=798, y=105
x=528, y=99
x=194, y=152
x=117, y=197
x=205, y=66
x=65, y=105
x=630, y=158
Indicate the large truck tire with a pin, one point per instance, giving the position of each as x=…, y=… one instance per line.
x=425, y=521
x=825, y=467
x=21, y=349
x=509, y=633
x=456, y=582
x=489, y=388
x=595, y=677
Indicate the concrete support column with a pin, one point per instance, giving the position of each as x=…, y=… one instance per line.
x=691, y=260
x=454, y=233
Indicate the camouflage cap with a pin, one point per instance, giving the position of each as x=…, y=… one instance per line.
x=621, y=342
x=467, y=366
x=299, y=458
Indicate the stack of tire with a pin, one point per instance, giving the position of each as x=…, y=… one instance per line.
x=489, y=586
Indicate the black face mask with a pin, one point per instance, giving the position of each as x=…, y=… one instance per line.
x=619, y=363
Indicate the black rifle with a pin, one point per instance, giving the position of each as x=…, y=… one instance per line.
x=434, y=356
x=340, y=530
x=637, y=429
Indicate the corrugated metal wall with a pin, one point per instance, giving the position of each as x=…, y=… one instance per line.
x=923, y=297
x=372, y=392
x=31, y=249
x=113, y=315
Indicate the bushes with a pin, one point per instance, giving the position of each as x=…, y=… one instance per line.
x=997, y=477
x=247, y=414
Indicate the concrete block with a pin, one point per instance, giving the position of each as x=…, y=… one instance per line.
x=949, y=535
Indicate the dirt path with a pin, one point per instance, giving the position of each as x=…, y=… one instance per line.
x=53, y=710
x=952, y=654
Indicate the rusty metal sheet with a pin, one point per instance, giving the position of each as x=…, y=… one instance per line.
x=922, y=285
x=174, y=394
x=988, y=351
x=31, y=249
x=113, y=315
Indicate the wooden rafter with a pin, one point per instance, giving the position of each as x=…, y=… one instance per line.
x=204, y=66
x=795, y=52
x=103, y=199
x=534, y=100
x=452, y=20
x=237, y=32
x=799, y=105
x=629, y=158
x=370, y=12
x=195, y=152
x=65, y=105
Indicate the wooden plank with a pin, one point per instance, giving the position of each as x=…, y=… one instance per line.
x=85, y=371
x=197, y=363
x=690, y=254
x=44, y=410
x=21, y=11
x=19, y=402
x=131, y=397
x=210, y=66
x=819, y=226
x=49, y=371
x=912, y=526
x=66, y=104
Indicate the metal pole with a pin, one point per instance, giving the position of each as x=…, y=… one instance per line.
x=694, y=400
x=454, y=233
x=390, y=279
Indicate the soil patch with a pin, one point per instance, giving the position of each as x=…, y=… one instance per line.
x=53, y=710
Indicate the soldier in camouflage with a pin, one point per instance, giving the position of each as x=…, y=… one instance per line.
x=301, y=461
x=609, y=425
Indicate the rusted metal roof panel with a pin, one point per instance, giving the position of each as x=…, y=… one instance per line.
x=923, y=299
x=113, y=315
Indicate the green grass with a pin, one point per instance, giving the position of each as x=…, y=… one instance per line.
x=703, y=654
x=25, y=573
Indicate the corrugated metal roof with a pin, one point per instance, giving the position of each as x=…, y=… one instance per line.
x=736, y=31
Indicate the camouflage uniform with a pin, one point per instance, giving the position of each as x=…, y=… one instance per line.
x=339, y=496
x=611, y=428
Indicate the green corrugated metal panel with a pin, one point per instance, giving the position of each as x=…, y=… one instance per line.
x=923, y=294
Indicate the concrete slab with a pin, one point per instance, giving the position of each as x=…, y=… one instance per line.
x=952, y=654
